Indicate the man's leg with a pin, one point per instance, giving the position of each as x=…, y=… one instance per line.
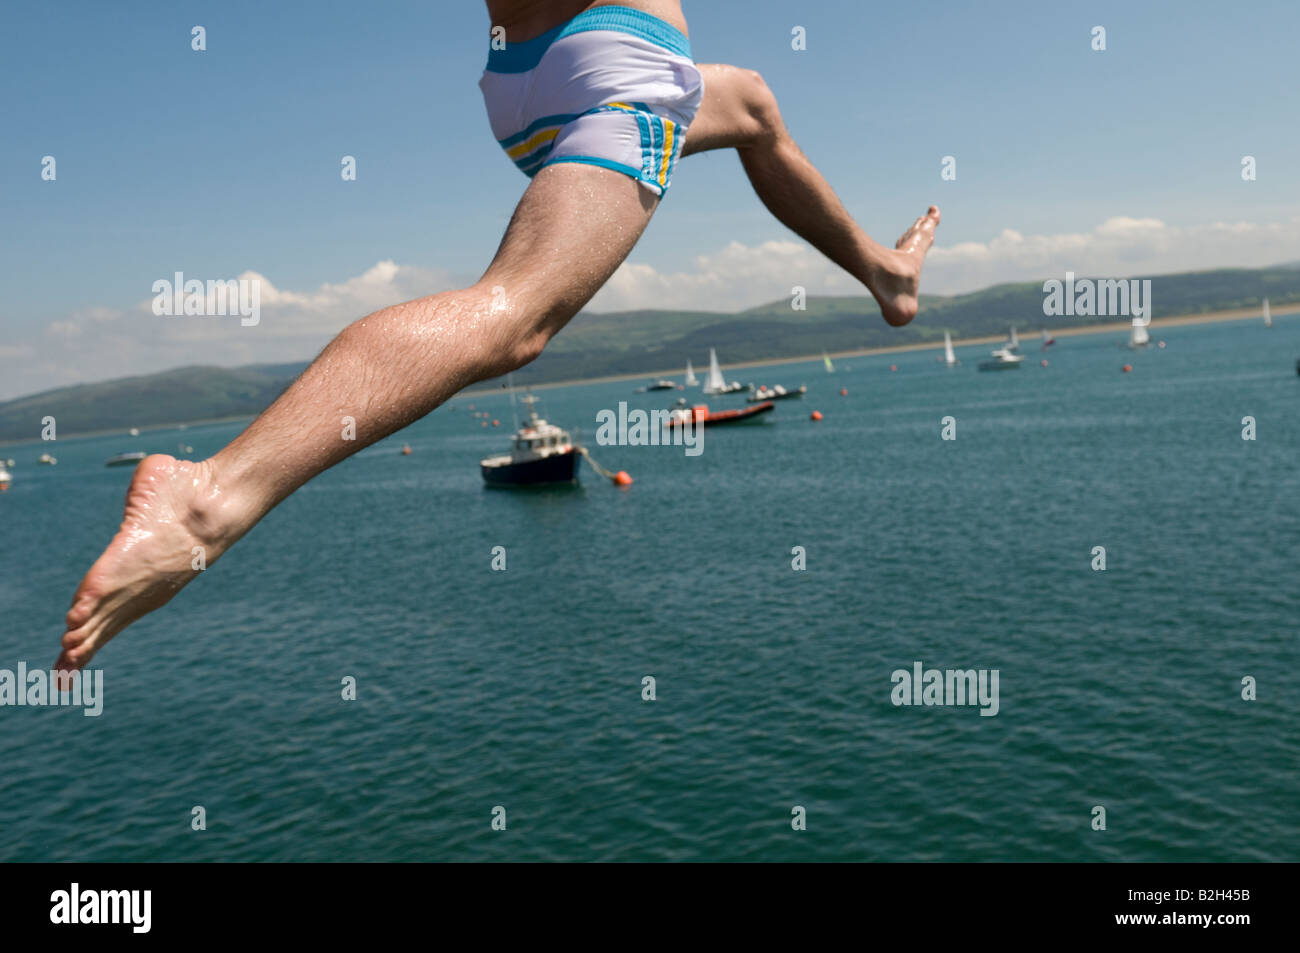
x=739, y=112
x=574, y=226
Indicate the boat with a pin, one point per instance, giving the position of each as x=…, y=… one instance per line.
x=5, y=478
x=662, y=385
x=691, y=379
x=134, y=431
x=1003, y=360
x=949, y=356
x=541, y=454
x=46, y=459
x=1048, y=340
x=1268, y=315
x=125, y=459
x=830, y=368
x=715, y=384
x=775, y=393
x=1138, y=337
x=1013, y=343
x=701, y=415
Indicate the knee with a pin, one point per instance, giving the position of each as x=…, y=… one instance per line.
x=517, y=327
x=760, y=104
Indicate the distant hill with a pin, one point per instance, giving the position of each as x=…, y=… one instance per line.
x=645, y=342
x=176, y=396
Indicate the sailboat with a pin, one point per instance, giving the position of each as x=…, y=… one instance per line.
x=830, y=368
x=1014, y=343
x=1048, y=340
x=949, y=357
x=1138, y=337
x=1268, y=315
x=691, y=379
x=715, y=383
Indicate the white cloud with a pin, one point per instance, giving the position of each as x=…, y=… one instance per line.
x=103, y=342
x=98, y=343
x=742, y=276
x=1118, y=247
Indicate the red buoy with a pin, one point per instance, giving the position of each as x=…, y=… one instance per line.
x=893, y=367
x=844, y=392
x=622, y=478
x=1127, y=368
x=1043, y=362
x=816, y=415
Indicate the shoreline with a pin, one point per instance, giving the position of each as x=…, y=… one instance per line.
x=1109, y=327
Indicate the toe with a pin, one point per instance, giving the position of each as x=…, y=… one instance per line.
x=74, y=637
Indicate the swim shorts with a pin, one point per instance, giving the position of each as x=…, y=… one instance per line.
x=613, y=87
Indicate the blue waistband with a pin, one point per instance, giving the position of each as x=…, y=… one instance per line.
x=522, y=57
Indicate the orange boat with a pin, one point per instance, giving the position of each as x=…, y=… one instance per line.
x=699, y=414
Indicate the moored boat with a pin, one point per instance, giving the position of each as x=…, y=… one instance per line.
x=949, y=356
x=775, y=393
x=1003, y=360
x=125, y=459
x=541, y=454
x=701, y=415
x=716, y=384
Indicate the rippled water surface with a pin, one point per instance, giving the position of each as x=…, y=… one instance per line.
x=523, y=688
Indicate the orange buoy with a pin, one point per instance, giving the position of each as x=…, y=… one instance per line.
x=816, y=415
x=496, y=423
x=406, y=449
x=1127, y=368
x=844, y=392
x=483, y=423
x=622, y=478
x=893, y=367
x=1043, y=362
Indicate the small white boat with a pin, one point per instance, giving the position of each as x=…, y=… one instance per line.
x=1003, y=360
x=775, y=393
x=125, y=459
x=1013, y=343
x=691, y=379
x=5, y=478
x=134, y=431
x=1048, y=340
x=1268, y=315
x=949, y=356
x=1138, y=336
x=46, y=459
x=716, y=384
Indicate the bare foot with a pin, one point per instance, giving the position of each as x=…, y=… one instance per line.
x=898, y=279
x=170, y=509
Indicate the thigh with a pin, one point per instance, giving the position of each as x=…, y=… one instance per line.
x=730, y=113
x=574, y=226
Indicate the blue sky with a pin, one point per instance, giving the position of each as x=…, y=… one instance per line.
x=226, y=161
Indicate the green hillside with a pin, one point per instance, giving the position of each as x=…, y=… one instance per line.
x=643, y=342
